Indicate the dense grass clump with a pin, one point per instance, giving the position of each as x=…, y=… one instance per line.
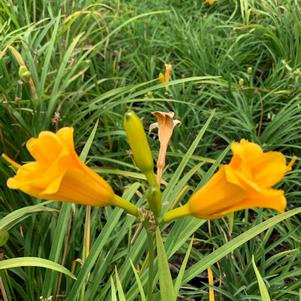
x=236, y=73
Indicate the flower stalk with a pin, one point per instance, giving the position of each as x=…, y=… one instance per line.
x=176, y=213
x=126, y=205
x=143, y=158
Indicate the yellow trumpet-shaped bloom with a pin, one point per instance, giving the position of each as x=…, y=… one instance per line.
x=243, y=183
x=58, y=174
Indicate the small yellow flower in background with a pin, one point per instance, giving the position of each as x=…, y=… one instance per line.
x=209, y=1
x=58, y=174
x=165, y=124
x=243, y=183
x=165, y=78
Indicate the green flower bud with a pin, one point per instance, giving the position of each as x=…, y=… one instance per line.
x=24, y=74
x=138, y=142
x=250, y=70
x=154, y=198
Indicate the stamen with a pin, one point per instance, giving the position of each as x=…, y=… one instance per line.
x=292, y=162
x=11, y=161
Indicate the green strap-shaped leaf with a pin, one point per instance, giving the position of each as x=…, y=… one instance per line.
x=139, y=283
x=18, y=215
x=119, y=287
x=264, y=293
x=98, y=245
x=183, y=267
x=230, y=246
x=34, y=262
x=167, y=291
x=113, y=290
x=88, y=144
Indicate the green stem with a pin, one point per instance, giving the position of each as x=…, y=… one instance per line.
x=87, y=232
x=151, y=178
x=154, y=196
x=176, y=213
x=86, y=247
x=151, y=258
x=124, y=204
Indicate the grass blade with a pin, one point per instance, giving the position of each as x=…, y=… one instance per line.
x=229, y=247
x=182, y=269
x=264, y=293
x=119, y=287
x=167, y=291
x=97, y=247
x=138, y=280
x=34, y=262
x=113, y=291
x=18, y=215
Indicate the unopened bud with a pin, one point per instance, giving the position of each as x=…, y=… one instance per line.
x=154, y=198
x=24, y=74
x=250, y=70
x=138, y=142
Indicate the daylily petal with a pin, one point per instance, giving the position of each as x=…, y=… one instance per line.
x=268, y=198
x=239, y=178
x=45, y=148
x=66, y=137
x=165, y=125
x=25, y=175
x=97, y=178
x=165, y=78
x=244, y=151
x=244, y=183
x=216, y=196
x=269, y=169
x=71, y=190
x=161, y=78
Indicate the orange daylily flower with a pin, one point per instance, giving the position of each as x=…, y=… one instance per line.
x=58, y=174
x=165, y=78
x=243, y=183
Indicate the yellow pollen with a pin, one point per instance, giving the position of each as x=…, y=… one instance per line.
x=11, y=161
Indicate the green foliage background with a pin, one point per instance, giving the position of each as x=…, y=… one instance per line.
x=93, y=61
